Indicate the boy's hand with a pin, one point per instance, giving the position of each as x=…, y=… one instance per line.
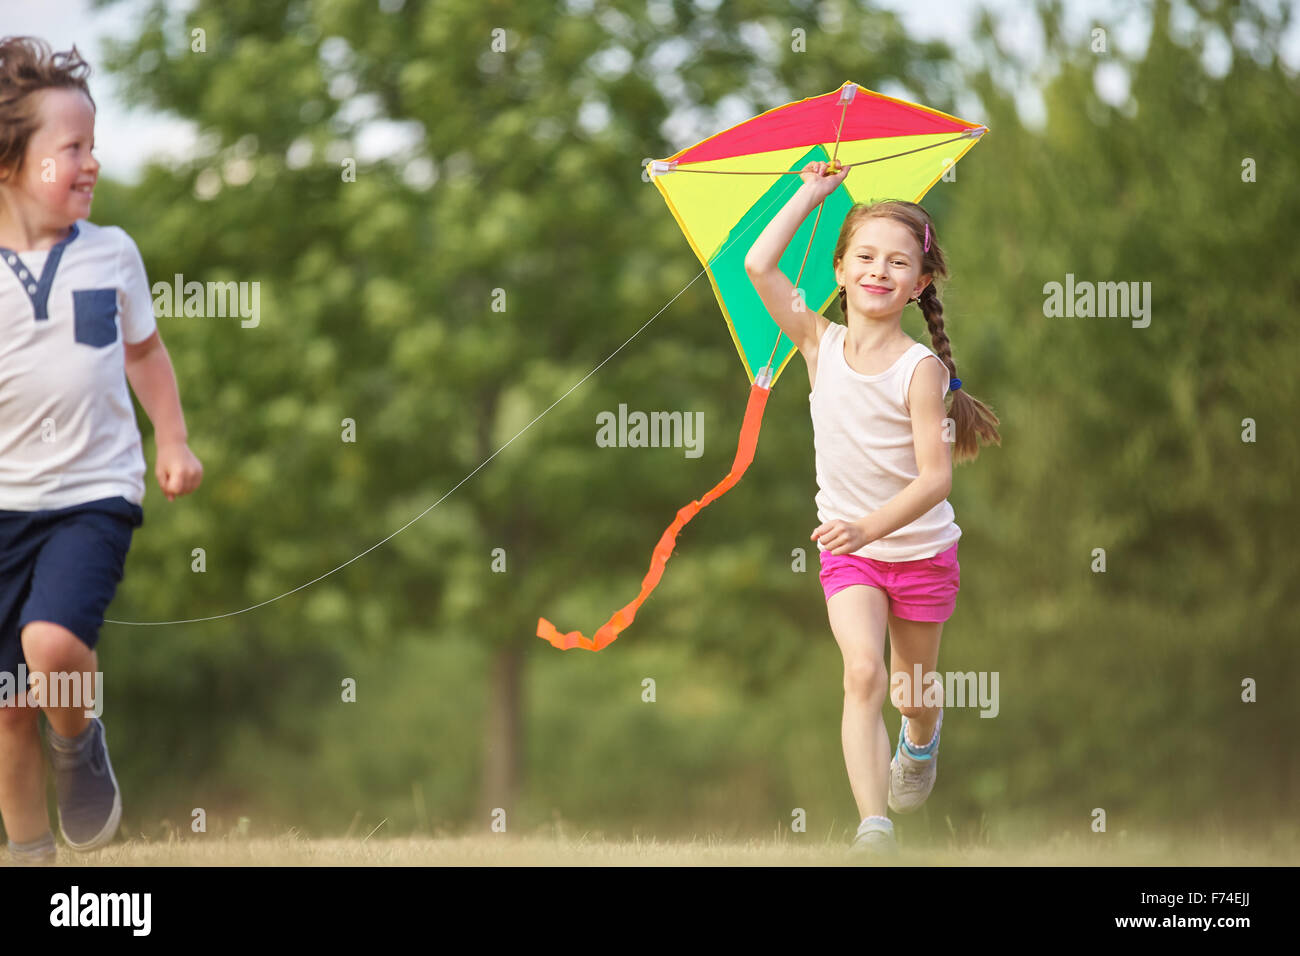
x=841, y=537
x=815, y=176
x=178, y=470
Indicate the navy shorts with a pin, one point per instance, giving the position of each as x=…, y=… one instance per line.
x=61, y=565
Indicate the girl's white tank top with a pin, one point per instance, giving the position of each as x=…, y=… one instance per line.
x=862, y=434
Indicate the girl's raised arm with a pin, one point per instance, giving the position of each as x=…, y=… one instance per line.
x=763, y=260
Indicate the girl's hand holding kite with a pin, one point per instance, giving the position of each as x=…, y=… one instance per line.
x=823, y=183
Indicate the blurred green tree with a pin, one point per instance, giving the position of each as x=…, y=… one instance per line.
x=517, y=181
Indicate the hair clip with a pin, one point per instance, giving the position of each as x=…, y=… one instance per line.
x=927, y=238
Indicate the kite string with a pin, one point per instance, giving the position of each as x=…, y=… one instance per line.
x=480, y=467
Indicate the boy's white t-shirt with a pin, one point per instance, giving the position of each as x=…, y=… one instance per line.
x=862, y=434
x=68, y=433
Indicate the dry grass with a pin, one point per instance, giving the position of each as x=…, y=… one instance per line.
x=510, y=850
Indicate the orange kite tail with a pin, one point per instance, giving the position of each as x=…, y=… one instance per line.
x=664, y=549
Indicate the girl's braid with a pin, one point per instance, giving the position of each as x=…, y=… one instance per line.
x=932, y=309
x=973, y=421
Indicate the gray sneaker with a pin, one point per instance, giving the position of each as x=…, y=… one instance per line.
x=90, y=804
x=40, y=852
x=912, y=779
x=874, y=840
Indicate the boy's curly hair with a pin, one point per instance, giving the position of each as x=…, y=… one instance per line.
x=27, y=66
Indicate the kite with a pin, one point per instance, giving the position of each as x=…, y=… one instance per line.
x=724, y=190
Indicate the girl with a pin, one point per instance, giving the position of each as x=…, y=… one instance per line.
x=887, y=539
x=75, y=313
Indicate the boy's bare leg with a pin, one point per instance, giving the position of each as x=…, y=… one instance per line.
x=22, y=775
x=48, y=648
x=62, y=672
x=53, y=649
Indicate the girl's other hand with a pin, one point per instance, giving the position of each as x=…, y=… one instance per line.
x=841, y=537
x=815, y=176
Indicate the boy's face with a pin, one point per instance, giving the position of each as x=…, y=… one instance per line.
x=881, y=268
x=59, y=172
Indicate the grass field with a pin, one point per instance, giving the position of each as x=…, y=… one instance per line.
x=594, y=850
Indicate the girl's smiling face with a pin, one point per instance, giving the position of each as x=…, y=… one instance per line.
x=57, y=178
x=881, y=268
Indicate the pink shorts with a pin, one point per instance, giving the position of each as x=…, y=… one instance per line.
x=923, y=590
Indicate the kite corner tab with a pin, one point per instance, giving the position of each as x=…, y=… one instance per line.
x=764, y=377
x=848, y=91
x=975, y=132
x=658, y=167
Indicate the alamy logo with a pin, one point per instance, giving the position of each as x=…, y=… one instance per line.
x=53, y=689
x=212, y=300
x=102, y=909
x=656, y=430
x=1086, y=300
x=949, y=689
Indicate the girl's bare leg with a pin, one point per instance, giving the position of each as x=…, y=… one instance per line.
x=912, y=643
x=857, y=616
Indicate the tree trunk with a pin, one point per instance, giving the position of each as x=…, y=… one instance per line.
x=503, y=742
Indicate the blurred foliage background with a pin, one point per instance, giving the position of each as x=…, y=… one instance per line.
x=1119, y=690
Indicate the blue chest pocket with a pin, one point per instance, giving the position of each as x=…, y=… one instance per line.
x=95, y=312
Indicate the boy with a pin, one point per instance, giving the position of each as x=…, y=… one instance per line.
x=71, y=462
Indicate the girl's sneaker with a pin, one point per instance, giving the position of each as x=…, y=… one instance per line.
x=90, y=804
x=875, y=838
x=912, y=778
